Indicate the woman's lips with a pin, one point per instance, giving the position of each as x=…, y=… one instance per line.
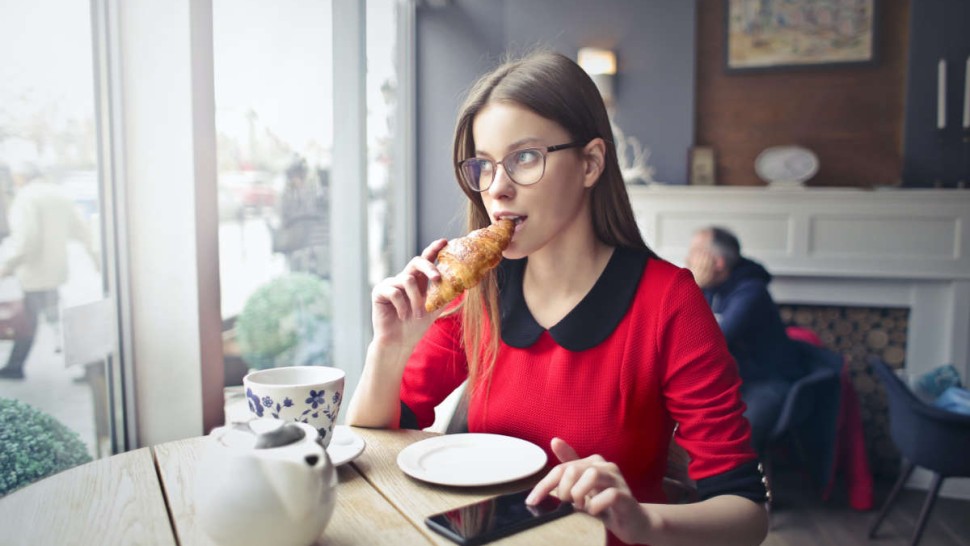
x=519, y=221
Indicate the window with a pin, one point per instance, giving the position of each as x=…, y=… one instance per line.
x=51, y=191
x=274, y=64
x=389, y=136
x=127, y=137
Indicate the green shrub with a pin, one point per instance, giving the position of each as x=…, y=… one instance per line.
x=286, y=322
x=34, y=445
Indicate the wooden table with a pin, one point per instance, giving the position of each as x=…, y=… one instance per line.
x=116, y=500
x=146, y=497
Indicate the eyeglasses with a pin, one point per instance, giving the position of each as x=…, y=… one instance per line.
x=524, y=167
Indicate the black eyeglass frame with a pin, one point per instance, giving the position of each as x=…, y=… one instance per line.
x=543, y=150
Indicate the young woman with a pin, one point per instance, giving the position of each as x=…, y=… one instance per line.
x=582, y=340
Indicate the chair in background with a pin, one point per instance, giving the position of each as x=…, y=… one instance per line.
x=677, y=484
x=458, y=423
x=809, y=416
x=833, y=433
x=926, y=436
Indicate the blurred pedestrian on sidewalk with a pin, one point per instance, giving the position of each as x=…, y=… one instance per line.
x=42, y=222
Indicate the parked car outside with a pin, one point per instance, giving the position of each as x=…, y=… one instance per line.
x=243, y=193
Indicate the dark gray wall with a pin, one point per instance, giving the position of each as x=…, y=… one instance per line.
x=654, y=88
x=455, y=45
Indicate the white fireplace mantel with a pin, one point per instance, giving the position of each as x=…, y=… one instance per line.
x=901, y=234
x=883, y=248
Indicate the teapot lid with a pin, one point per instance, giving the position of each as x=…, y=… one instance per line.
x=262, y=434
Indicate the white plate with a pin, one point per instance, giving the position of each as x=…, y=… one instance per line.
x=345, y=445
x=786, y=165
x=471, y=459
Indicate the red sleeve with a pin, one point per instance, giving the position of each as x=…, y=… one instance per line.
x=701, y=382
x=436, y=368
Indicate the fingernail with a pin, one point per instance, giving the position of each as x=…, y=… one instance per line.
x=530, y=499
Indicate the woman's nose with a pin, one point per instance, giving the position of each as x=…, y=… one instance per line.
x=502, y=184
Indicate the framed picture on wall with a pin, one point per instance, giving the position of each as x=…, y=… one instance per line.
x=770, y=34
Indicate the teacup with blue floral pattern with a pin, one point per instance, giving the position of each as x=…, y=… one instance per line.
x=305, y=394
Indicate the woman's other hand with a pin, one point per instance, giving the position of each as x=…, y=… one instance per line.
x=596, y=487
x=397, y=302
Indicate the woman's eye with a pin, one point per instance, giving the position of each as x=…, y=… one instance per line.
x=526, y=157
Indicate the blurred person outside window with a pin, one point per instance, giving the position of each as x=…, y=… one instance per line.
x=6, y=190
x=737, y=290
x=42, y=222
x=302, y=235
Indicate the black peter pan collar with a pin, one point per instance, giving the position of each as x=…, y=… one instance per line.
x=586, y=325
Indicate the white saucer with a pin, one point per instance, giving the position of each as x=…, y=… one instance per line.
x=471, y=459
x=345, y=446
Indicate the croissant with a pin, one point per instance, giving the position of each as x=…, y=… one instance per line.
x=465, y=261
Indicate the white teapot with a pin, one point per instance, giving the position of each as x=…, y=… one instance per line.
x=265, y=482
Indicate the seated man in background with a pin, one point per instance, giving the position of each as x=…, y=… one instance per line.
x=737, y=290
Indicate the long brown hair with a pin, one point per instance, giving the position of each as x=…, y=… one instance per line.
x=556, y=88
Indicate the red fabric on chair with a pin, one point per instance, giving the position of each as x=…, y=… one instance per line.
x=850, y=455
x=803, y=334
x=850, y=446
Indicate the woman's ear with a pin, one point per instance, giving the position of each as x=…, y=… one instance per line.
x=594, y=156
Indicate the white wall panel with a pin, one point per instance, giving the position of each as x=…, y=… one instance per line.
x=888, y=237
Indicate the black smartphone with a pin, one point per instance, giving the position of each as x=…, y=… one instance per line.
x=497, y=517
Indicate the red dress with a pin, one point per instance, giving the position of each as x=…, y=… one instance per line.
x=641, y=353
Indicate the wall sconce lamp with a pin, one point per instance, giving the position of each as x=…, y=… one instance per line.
x=600, y=64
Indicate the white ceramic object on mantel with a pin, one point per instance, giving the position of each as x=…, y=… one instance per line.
x=265, y=482
x=786, y=166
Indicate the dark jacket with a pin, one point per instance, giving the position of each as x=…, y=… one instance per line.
x=752, y=326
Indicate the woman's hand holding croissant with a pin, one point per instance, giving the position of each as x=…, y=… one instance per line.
x=404, y=306
x=398, y=313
